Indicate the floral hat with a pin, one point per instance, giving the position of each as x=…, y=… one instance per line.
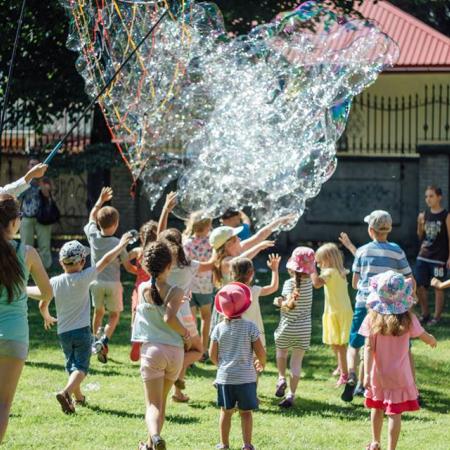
x=302, y=260
x=390, y=293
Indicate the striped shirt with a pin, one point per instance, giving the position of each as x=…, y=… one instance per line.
x=234, y=339
x=294, y=329
x=374, y=258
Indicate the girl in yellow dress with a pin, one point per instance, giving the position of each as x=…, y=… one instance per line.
x=337, y=314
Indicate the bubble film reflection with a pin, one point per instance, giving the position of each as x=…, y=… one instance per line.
x=256, y=117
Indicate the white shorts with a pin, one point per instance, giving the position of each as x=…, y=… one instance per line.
x=107, y=294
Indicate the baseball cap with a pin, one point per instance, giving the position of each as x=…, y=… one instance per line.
x=73, y=252
x=220, y=235
x=379, y=220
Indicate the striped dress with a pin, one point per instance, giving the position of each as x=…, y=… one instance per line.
x=294, y=329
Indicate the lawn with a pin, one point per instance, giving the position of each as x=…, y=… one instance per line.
x=114, y=417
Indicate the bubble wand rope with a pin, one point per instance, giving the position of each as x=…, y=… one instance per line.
x=58, y=146
x=11, y=70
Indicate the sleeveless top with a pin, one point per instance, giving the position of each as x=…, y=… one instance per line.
x=149, y=324
x=434, y=247
x=13, y=316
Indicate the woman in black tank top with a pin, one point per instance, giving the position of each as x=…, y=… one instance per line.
x=433, y=229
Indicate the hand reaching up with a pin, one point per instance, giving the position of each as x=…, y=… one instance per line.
x=273, y=263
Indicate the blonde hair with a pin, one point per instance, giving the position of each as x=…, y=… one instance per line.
x=220, y=254
x=390, y=324
x=331, y=253
x=241, y=270
x=196, y=223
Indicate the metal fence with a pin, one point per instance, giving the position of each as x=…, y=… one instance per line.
x=391, y=126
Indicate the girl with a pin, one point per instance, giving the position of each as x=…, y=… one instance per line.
x=233, y=342
x=294, y=329
x=433, y=229
x=197, y=247
x=182, y=275
x=156, y=325
x=17, y=261
x=388, y=376
x=243, y=272
x=338, y=313
x=147, y=234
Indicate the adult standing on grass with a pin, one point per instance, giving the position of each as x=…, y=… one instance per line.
x=17, y=261
x=433, y=230
x=31, y=204
x=163, y=338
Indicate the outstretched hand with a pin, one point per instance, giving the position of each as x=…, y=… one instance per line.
x=126, y=237
x=171, y=201
x=266, y=244
x=49, y=321
x=105, y=195
x=37, y=171
x=273, y=263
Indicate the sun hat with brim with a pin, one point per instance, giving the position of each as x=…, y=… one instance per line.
x=390, y=293
x=220, y=235
x=379, y=220
x=302, y=260
x=233, y=300
x=73, y=252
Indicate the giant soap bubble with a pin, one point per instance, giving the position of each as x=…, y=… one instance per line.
x=246, y=121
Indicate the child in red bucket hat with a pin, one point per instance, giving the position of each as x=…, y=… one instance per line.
x=233, y=342
x=294, y=330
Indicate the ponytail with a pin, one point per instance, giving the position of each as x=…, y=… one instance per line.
x=148, y=233
x=293, y=298
x=11, y=274
x=157, y=258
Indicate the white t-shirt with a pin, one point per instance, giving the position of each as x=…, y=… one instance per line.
x=183, y=277
x=71, y=292
x=254, y=313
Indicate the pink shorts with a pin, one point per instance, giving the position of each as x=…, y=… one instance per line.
x=160, y=360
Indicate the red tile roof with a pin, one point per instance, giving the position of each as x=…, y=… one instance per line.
x=421, y=46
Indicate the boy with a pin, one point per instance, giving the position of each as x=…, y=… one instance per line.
x=371, y=259
x=234, y=219
x=106, y=291
x=71, y=293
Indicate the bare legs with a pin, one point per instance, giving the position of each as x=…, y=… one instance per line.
x=341, y=355
x=295, y=366
x=73, y=385
x=113, y=320
x=394, y=427
x=225, y=426
x=422, y=294
x=10, y=371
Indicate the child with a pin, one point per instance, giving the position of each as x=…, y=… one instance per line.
x=388, y=376
x=433, y=230
x=243, y=272
x=234, y=218
x=197, y=247
x=376, y=257
x=182, y=276
x=71, y=293
x=147, y=234
x=294, y=330
x=163, y=337
x=233, y=342
x=106, y=291
x=21, y=185
x=338, y=313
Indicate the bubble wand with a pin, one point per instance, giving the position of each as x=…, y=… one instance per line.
x=58, y=146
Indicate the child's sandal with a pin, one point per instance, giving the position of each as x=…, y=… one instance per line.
x=180, y=398
x=81, y=402
x=66, y=402
x=180, y=384
x=373, y=446
x=248, y=447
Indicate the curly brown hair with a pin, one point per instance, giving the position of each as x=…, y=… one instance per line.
x=174, y=239
x=390, y=324
x=241, y=269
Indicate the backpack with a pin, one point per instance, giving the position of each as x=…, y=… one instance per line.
x=48, y=212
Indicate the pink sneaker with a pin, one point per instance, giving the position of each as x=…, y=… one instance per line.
x=342, y=380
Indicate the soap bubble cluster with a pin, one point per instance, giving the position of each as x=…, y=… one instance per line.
x=256, y=117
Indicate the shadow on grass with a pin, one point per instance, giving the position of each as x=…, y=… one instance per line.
x=61, y=368
x=182, y=420
x=115, y=412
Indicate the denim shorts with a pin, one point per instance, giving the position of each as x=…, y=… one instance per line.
x=425, y=271
x=200, y=300
x=241, y=395
x=357, y=340
x=77, y=348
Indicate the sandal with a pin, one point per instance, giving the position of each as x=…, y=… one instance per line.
x=180, y=384
x=180, y=399
x=158, y=442
x=373, y=446
x=248, y=447
x=144, y=446
x=65, y=401
x=81, y=402
x=287, y=403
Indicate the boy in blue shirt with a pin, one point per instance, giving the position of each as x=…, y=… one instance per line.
x=376, y=257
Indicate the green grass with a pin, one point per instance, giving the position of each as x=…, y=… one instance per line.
x=114, y=418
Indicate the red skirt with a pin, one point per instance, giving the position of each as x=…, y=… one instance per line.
x=393, y=408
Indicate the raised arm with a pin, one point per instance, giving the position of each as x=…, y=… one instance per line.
x=273, y=264
x=245, y=219
x=265, y=232
x=18, y=187
x=253, y=251
x=114, y=253
x=317, y=281
x=170, y=203
x=43, y=289
x=105, y=196
x=347, y=243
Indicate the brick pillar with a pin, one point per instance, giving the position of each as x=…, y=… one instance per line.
x=434, y=169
